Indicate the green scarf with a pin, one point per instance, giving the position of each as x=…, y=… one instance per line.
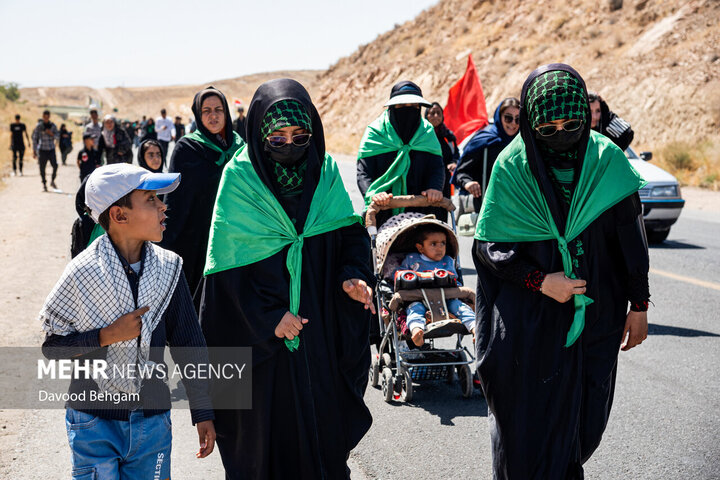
x=380, y=137
x=225, y=155
x=96, y=232
x=250, y=225
x=515, y=210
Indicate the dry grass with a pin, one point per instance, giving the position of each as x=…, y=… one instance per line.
x=694, y=164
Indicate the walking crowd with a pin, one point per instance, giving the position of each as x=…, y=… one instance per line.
x=247, y=237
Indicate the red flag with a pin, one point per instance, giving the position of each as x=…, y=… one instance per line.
x=465, y=111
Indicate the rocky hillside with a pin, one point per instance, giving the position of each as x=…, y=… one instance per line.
x=656, y=62
x=137, y=101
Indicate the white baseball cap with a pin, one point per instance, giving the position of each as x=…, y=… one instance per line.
x=106, y=185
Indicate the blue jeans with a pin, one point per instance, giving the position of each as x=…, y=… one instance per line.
x=116, y=449
x=416, y=314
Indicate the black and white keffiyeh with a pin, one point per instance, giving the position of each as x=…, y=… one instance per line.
x=94, y=291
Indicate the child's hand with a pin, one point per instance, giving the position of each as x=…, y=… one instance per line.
x=126, y=327
x=206, y=434
x=290, y=326
x=359, y=291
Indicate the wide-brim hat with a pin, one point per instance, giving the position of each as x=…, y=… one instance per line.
x=406, y=92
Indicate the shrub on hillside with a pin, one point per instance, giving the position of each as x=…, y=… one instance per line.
x=677, y=156
x=10, y=91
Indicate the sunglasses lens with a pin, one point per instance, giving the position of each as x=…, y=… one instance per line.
x=276, y=141
x=572, y=125
x=546, y=130
x=511, y=119
x=301, y=140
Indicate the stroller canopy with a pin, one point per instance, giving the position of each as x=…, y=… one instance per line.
x=397, y=236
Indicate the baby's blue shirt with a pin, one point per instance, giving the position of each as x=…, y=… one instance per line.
x=421, y=263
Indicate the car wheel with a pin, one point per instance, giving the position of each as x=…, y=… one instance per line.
x=657, y=236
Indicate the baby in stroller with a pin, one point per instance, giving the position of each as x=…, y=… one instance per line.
x=431, y=244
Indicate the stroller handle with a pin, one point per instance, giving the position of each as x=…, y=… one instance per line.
x=404, y=201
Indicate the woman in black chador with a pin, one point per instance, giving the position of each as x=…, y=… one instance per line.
x=307, y=399
x=200, y=158
x=562, y=282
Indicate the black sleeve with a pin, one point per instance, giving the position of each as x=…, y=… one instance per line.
x=633, y=243
x=467, y=167
x=101, y=145
x=187, y=347
x=356, y=260
x=434, y=173
x=619, y=131
x=245, y=304
x=58, y=347
x=505, y=261
x=180, y=200
x=366, y=173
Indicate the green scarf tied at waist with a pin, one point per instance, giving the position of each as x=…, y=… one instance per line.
x=225, y=155
x=380, y=137
x=515, y=210
x=250, y=225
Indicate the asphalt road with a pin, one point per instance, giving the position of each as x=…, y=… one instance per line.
x=665, y=422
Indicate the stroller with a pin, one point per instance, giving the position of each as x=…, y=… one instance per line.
x=398, y=362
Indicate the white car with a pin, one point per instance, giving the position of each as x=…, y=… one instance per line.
x=661, y=197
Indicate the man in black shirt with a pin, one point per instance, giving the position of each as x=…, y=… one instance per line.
x=179, y=129
x=17, y=144
x=239, y=123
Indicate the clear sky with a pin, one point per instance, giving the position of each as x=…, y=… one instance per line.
x=150, y=42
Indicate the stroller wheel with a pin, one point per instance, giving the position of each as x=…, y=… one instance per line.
x=407, y=387
x=466, y=383
x=374, y=372
x=450, y=376
x=387, y=384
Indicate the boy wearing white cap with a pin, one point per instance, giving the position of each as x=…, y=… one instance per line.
x=116, y=301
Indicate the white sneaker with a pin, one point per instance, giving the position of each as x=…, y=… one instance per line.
x=13, y=174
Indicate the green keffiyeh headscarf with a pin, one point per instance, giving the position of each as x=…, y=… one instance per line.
x=380, y=137
x=553, y=96
x=285, y=113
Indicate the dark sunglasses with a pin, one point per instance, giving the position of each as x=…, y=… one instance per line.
x=510, y=119
x=568, y=126
x=299, y=140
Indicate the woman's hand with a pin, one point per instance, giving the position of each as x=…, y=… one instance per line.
x=359, y=291
x=636, y=330
x=290, y=326
x=451, y=167
x=382, y=199
x=561, y=288
x=433, y=196
x=473, y=188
